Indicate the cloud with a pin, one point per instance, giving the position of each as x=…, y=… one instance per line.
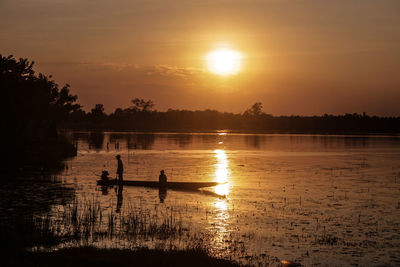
x=153, y=70
x=95, y=65
x=173, y=71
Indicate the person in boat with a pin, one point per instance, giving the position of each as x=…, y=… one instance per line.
x=104, y=178
x=120, y=168
x=162, y=179
x=104, y=175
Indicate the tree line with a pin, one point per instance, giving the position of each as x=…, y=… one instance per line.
x=140, y=116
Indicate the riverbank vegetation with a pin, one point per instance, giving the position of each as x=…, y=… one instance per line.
x=33, y=106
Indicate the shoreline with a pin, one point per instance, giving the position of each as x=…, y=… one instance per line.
x=91, y=256
x=236, y=132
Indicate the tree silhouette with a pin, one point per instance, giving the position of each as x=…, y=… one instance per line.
x=141, y=105
x=98, y=111
x=255, y=110
x=32, y=106
x=97, y=115
x=29, y=97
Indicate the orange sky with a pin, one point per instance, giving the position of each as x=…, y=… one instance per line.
x=300, y=57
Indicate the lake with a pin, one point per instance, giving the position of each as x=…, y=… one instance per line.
x=314, y=199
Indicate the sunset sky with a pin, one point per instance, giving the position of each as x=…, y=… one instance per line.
x=297, y=57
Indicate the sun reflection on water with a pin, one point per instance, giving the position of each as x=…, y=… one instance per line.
x=220, y=221
x=221, y=205
x=221, y=172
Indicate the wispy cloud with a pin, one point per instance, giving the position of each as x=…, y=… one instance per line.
x=153, y=70
x=100, y=65
x=165, y=70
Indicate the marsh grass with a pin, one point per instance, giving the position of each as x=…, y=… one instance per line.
x=86, y=220
x=86, y=223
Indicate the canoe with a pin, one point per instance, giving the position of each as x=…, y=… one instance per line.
x=156, y=184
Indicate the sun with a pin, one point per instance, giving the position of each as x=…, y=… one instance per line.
x=224, y=61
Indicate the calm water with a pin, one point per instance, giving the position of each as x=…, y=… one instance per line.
x=317, y=200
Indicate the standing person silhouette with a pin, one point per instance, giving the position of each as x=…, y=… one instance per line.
x=162, y=179
x=120, y=168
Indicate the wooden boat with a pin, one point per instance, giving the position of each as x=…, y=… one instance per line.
x=156, y=184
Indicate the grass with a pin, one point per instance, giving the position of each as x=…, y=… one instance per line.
x=85, y=220
x=159, y=232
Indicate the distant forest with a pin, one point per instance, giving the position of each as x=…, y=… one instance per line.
x=141, y=117
x=35, y=106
